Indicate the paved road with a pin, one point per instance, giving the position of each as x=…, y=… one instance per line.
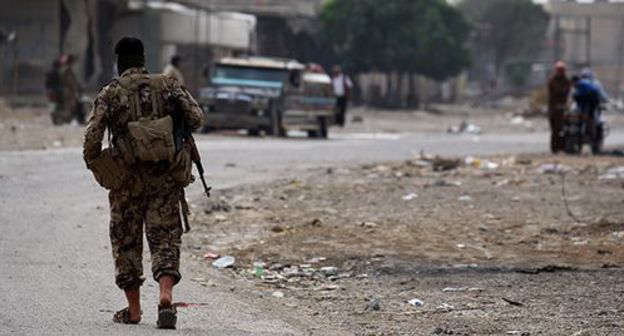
x=55, y=266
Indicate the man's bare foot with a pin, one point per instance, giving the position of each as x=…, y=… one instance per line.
x=134, y=314
x=134, y=305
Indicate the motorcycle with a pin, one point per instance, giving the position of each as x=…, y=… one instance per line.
x=578, y=130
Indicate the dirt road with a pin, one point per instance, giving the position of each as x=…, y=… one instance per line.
x=55, y=255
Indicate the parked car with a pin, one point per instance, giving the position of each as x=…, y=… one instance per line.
x=270, y=95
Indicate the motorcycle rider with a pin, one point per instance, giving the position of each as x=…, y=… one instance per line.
x=587, y=96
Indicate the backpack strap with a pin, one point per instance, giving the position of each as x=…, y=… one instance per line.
x=157, y=88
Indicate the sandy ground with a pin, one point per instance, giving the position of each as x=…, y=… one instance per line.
x=488, y=248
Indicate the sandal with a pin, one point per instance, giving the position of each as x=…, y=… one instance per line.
x=123, y=317
x=166, y=317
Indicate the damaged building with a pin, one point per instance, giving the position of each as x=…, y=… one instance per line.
x=88, y=29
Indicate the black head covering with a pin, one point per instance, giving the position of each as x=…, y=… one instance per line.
x=130, y=54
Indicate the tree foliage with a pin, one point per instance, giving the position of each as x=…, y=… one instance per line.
x=512, y=28
x=426, y=37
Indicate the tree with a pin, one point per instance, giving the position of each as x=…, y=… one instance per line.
x=426, y=37
x=511, y=28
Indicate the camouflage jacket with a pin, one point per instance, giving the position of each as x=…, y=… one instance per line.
x=111, y=110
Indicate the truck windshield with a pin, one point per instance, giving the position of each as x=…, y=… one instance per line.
x=249, y=76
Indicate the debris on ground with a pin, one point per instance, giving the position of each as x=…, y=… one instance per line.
x=613, y=173
x=374, y=304
x=513, y=303
x=553, y=168
x=410, y=196
x=416, y=303
x=224, y=262
x=211, y=255
x=465, y=127
x=334, y=243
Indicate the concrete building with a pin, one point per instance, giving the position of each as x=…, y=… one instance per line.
x=88, y=29
x=591, y=34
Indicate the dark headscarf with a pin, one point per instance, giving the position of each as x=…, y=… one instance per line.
x=130, y=54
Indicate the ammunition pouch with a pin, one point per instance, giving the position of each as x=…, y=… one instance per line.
x=152, y=140
x=181, y=169
x=109, y=169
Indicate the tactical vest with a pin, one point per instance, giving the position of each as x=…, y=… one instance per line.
x=149, y=136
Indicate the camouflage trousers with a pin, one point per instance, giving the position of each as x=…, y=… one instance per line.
x=159, y=213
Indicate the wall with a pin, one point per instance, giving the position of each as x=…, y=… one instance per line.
x=37, y=26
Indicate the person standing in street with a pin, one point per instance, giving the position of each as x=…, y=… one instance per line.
x=70, y=88
x=173, y=69
x=559, y=86
x=342, y=90
x=145, y=172
x=54, y=91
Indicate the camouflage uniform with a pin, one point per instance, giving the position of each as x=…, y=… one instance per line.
x=150, y=195
x=71, y=92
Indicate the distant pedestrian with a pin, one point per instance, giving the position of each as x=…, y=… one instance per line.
x=54, y=91
x=559, y=86
x=70, y=88
x=173, y=69
x=342, y=90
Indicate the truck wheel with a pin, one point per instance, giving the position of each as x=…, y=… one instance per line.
x=253, y=132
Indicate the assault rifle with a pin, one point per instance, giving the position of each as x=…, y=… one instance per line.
x=182, y=134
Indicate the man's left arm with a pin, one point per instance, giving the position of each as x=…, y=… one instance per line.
x=193, y=114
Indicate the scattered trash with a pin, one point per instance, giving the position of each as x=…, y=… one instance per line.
x=220, y=218
x=464, y=198
x=224, y=262
x=445, y=306
x=57, y=143
x=374, y=304
x=329, y=270
x=481, y=164
x=230, y=165
x=513, y=303
x=327, y=288
x=553, y=168
x=369, y=225
x=316, y=260
x=211, y=255
x=278, y=294
x=518, y=332
x=410, y=197
x=416, y=303
x=461, y=246
x=259, y=269
x=465, y=127
x=612, y=173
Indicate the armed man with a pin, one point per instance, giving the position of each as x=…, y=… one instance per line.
x=146, y=168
